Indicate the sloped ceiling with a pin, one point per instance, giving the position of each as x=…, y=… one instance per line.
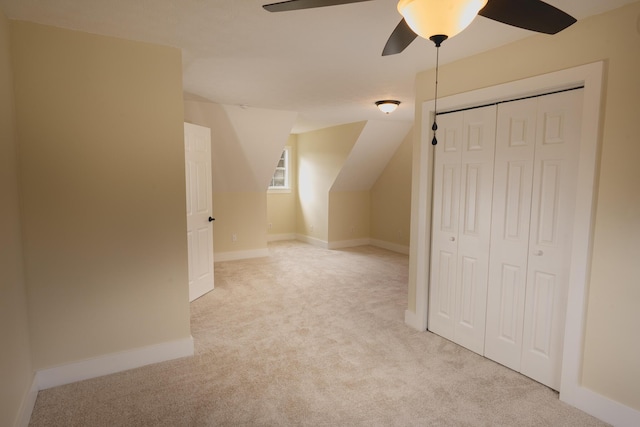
x=325, y=63
x=264, y=75
x=376, y=144
x=246, y=143
x=262, y=135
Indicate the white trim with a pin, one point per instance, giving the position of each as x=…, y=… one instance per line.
x=279, y=190
x=401, y=249
x=410, y=319
x=610, y=411
x=287, y=172
x=589, y=75
x=340, y=244
x=312, y=241
x=582, y=235
x=280, y=237
x=421, y=223
x=237, y=255
x=352, y=243
x=114, y=362
x=28, y=403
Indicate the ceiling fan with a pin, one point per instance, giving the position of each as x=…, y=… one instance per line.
x=438, y=20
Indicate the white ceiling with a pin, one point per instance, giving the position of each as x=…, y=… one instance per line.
x=325, y=64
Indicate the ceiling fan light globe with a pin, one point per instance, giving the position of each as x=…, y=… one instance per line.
x=439, y=17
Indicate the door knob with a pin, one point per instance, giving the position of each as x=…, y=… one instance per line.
x=211, y=219
x=538, y=253
x=453, y=239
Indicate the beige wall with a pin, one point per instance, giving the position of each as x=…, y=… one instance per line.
x=281, y=215
x=100, y=125
x=245, y=147
x=342, y=215
x=239, y=204
x=230, y=169
x=321, y=154
x=391, y=198
x=243, y=214
x=612, y=347
x=15, y=356
x=281, y=206
x=246, y=143
x=349, y=215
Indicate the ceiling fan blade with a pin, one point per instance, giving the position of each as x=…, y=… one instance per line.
x=285, y=6
x=534, y=15
x=401, y=37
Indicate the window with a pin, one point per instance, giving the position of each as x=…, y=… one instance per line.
x=280, y=179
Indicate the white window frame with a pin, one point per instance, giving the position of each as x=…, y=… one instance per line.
x=287, y=174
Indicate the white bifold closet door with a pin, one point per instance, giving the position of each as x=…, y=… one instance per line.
x=463, y=177
x=533, y=204
x=503, y=202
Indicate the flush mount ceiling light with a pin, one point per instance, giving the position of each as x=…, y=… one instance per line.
x=387, y=106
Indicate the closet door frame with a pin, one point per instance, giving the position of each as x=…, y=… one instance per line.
x=589, y=76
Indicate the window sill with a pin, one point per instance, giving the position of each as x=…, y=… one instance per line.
x=272, y=190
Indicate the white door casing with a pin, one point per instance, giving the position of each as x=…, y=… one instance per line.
x=591, y=76
x=197, y=140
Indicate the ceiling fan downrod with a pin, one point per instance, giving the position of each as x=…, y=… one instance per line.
x=437, y=40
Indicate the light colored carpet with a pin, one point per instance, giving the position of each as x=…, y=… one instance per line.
x=311, y=337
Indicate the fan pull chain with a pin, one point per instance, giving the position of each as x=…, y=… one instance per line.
x=438, y=41
x=434, y=128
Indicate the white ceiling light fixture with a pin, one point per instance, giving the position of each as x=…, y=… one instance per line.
x=438, y=20
x=387, y=106
x=428, y=18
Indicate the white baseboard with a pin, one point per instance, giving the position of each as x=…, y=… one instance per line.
x=340, y=244
x=280, y=237
x=236, y=255
x=312, y=241
x=401, y=249
x=28, y=403
x=112, y=363
x=601, y=407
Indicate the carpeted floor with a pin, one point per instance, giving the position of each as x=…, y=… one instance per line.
x=310, y=337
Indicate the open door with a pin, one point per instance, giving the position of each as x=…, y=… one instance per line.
x=197, y=144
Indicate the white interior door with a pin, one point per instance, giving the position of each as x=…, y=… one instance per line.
x=534, y=194
x=513, y=177
x=503, y=197
x=552, y=206
x=446, y=199
x=474, y=231
x=461, y=233
x=197, y=142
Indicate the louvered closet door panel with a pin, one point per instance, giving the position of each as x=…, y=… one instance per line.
x=513, y=176
x=444, y=250
x=476, y=182
x=553, y=199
